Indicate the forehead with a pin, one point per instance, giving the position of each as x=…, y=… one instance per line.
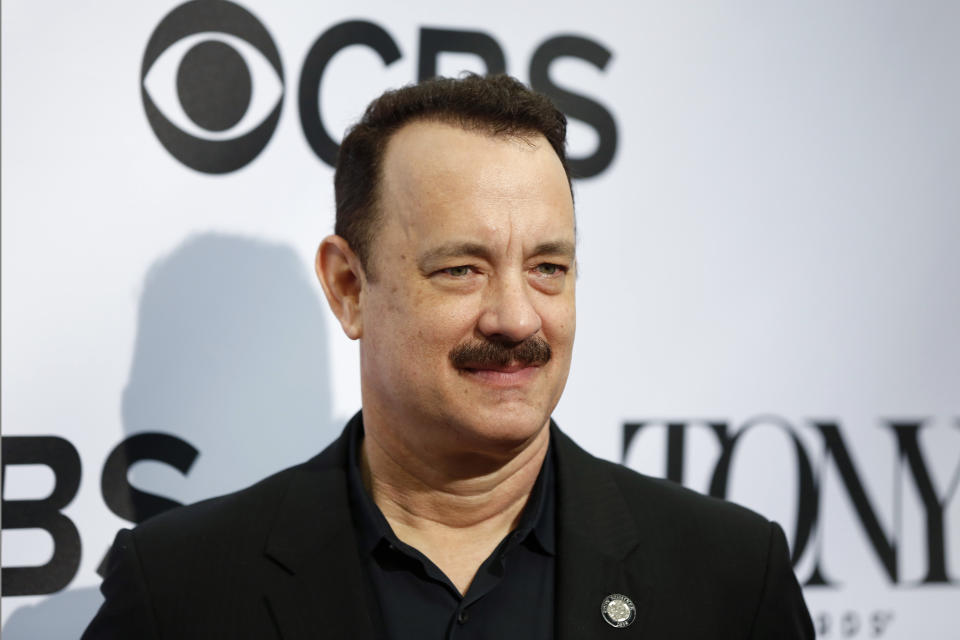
x=440, y=178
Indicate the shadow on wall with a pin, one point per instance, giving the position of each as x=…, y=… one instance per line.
x=231, y=358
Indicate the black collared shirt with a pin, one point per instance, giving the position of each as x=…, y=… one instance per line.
x=511, y=595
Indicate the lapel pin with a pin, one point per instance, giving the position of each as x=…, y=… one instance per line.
x=618, y=610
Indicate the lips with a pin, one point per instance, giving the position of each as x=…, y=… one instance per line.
x=509, y=368
x=512, y=367
x=510, y=375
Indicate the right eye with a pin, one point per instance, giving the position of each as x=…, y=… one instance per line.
x=457, y=272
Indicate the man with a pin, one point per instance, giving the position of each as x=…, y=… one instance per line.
x=452, y=506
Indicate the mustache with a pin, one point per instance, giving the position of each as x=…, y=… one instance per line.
x=490, y=354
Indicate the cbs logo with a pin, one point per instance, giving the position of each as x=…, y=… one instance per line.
x=212, y=83
x=209, y=52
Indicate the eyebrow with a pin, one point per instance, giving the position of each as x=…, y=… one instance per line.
x=475, y=250
x=453, y=250
x=556, y=248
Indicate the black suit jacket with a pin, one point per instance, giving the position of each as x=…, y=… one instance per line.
x=279, y=560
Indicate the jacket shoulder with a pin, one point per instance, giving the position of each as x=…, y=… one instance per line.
x=196, y=522
x=673, y=500
x=241, y=518
x=227, y=553
x=663, y=516
x=648, y=497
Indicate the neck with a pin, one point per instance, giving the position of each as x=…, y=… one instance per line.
x=453, y=507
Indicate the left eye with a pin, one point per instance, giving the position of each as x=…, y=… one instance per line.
x=549, y=269
x=457, y=272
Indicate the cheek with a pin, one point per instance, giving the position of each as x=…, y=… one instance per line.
x=388, y=323
x=559, y=319
x=443, y=316
x=427, y=327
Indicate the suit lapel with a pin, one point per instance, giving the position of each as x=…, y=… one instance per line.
x=597, y=548
x=319, y=592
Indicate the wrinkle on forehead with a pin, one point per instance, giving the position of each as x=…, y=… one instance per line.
x=435, y=167
x=421, y=152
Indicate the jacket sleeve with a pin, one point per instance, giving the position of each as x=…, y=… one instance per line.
x=782, y=613
x=126, y=612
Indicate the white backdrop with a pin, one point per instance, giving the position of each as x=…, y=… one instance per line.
x=773, y=248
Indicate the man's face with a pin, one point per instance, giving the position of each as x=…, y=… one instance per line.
x=468, y=319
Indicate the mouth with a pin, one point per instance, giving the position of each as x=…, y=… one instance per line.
x=513, y=374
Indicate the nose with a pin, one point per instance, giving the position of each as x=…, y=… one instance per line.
x=509, y=314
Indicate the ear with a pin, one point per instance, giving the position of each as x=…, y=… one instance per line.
x=342, y=279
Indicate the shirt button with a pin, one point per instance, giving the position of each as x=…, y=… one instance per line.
x=463, y=616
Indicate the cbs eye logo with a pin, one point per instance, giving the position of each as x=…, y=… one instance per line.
x=212, y=85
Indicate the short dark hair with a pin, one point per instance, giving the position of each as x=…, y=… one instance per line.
x=495, y=104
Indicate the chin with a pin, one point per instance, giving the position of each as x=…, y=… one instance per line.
x=504, y=430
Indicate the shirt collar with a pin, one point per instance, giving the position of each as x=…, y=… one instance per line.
x=538, y=518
